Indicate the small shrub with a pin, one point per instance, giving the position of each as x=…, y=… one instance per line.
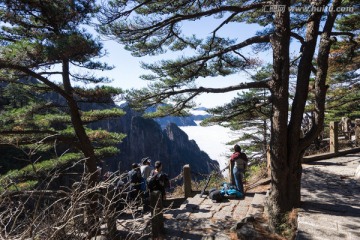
x=256, y=171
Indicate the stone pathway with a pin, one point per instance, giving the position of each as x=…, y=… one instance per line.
x=200, y=218
x=330, y=200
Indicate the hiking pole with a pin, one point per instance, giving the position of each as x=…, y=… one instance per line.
x=208, y=181
x=206, y=185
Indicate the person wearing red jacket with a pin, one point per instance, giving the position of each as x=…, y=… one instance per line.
x=239, y=159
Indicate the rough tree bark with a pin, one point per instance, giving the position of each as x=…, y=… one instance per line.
x=287, y=146
x=279, y=87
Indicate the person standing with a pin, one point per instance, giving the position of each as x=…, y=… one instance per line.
x=239, y=159
x=135, y=180
x=159, y=180
x=145, y=167
x=145, y=173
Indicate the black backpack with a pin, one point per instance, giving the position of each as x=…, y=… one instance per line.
x=152, y=181
x=215, y=195
x=135, y=179
x=157, y=181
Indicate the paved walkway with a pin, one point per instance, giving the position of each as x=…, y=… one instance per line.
x=197, y=218
x=330, y=200
x=330, y=207
x=200, y=218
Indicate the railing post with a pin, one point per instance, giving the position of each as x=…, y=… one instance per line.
x=334, y=141
x=187, y=180
x=345, y=125
x=357, y=132
x=157, y=218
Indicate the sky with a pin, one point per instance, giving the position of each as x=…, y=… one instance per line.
x=127, y=71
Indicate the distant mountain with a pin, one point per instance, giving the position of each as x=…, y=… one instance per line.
x=145, y=137
x=198, y=114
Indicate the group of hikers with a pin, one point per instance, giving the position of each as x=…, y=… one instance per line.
x=143, y=179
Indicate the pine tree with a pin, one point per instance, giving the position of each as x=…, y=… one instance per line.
x=43, y=126
x=344, y=97
x=250, y=111
x=151, y=28
x=46, y=40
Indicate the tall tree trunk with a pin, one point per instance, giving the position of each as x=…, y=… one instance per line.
x=278, y=201
x=85, y=143
x=287, y=147
x=321, y=75
x=86, y=148
x=295, y=152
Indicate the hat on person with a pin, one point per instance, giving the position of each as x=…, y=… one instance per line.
x=146, y=160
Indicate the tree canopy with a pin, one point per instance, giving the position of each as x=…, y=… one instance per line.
x=152, y=28
x=48, y=41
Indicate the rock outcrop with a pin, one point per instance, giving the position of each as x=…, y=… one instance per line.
x=145, y=138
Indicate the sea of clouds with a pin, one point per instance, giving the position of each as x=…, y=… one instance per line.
x=213, y=140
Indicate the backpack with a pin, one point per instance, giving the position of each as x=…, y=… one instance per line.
x=152, y=181
x=241, y=160
x=135, y=179
x=216, y=195
x=157, y=181
x=135, y=176
x=230, y=190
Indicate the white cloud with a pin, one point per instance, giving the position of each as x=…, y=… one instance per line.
x=212, y=140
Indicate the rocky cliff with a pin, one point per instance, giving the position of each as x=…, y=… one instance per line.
x=146, y=138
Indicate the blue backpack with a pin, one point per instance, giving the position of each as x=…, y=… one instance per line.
x=230, y=191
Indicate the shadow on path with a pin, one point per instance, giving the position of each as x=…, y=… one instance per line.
x=330, y=207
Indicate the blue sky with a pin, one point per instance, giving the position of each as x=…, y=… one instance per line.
x=127, y=68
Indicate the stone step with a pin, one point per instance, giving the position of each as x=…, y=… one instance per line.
x=201, y=218
x=193, y=202
x=256, y=207
x=242, y=208
x=319, y=233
